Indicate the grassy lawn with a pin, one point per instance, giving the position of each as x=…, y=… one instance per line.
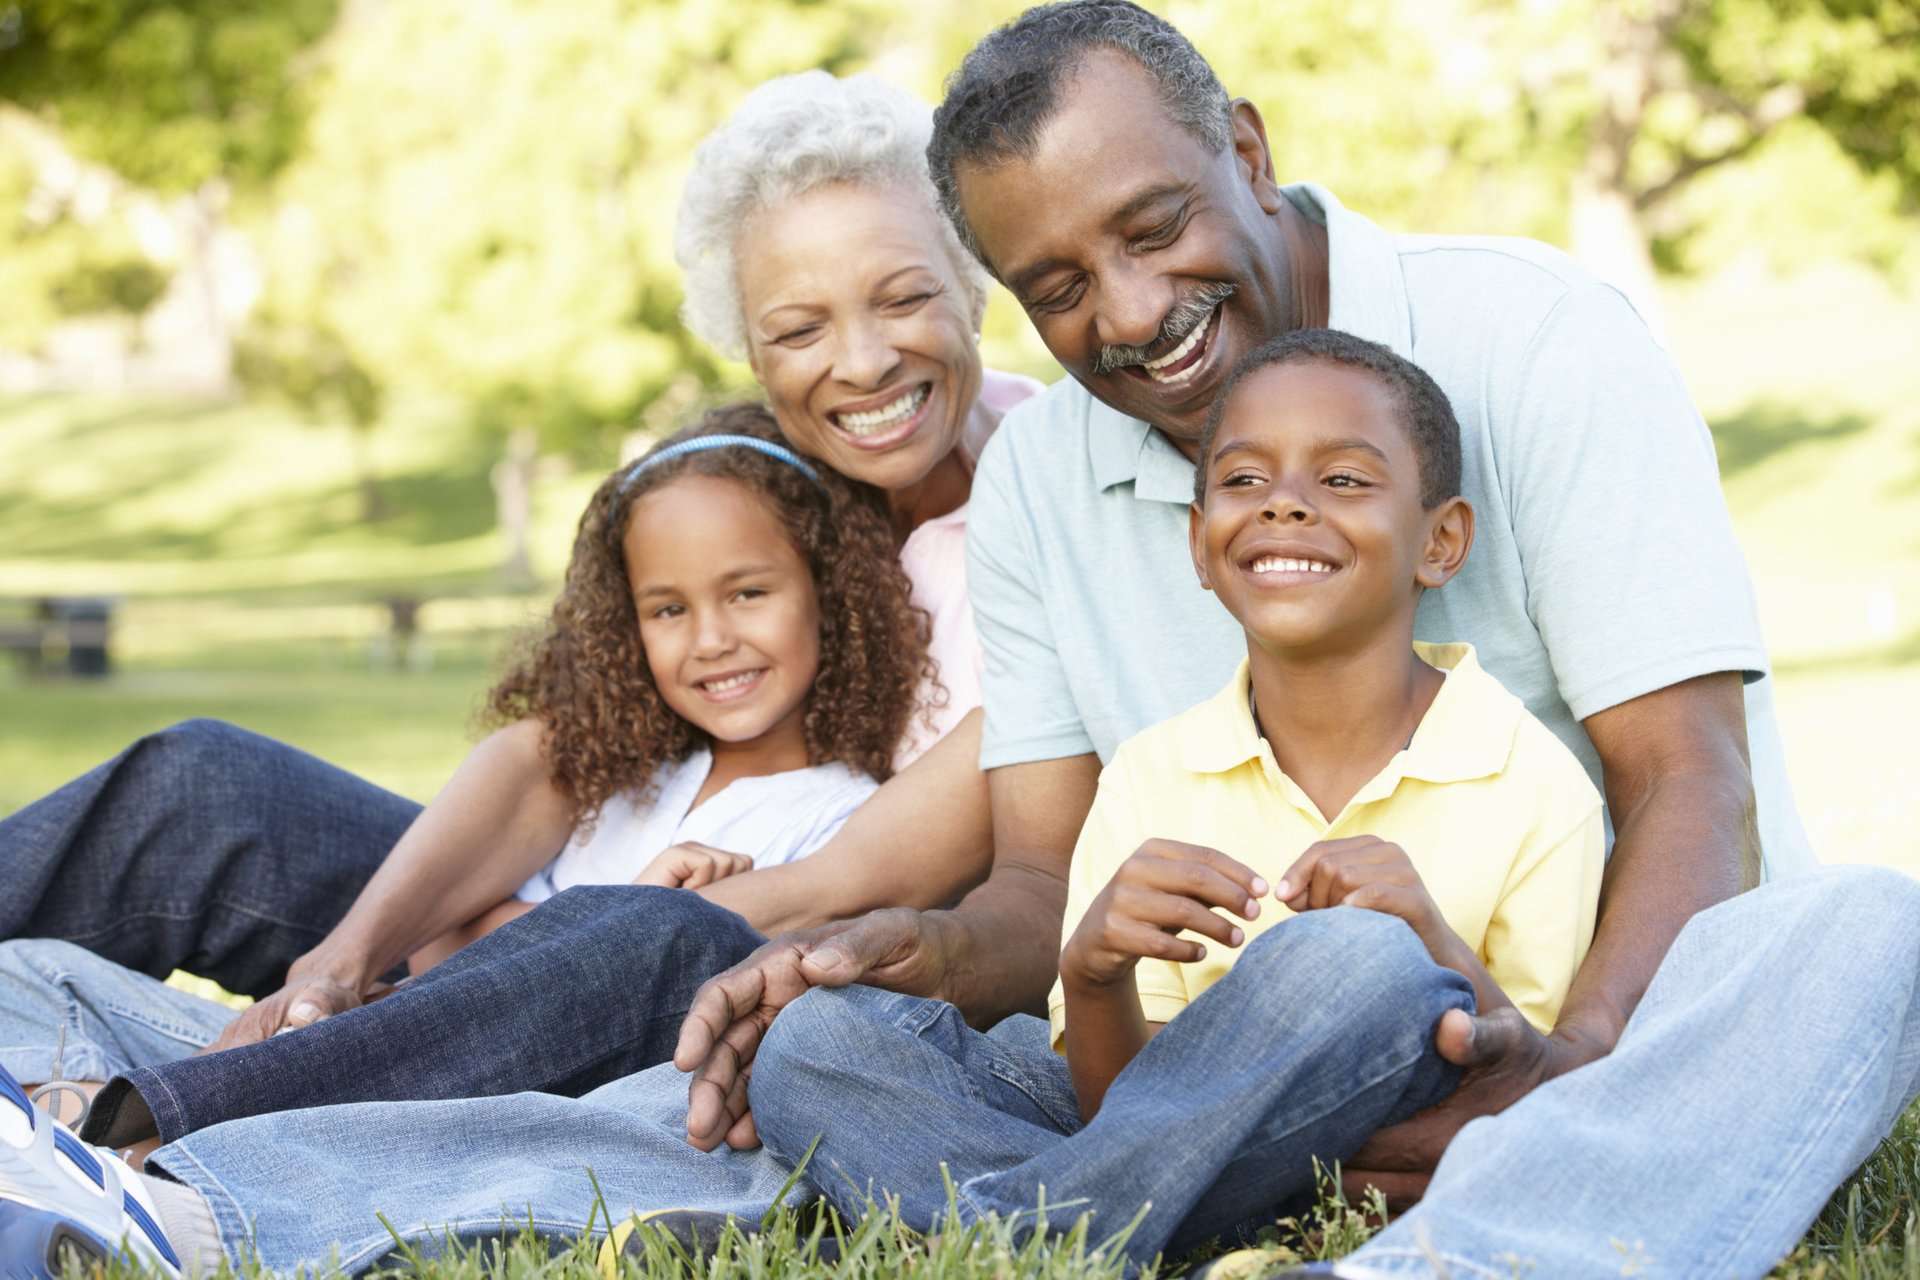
x=252, y=591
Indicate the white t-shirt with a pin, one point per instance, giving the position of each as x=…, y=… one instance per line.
x=773, y=819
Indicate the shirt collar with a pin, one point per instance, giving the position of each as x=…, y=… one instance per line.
x=1467, y=733
x=1368, y=298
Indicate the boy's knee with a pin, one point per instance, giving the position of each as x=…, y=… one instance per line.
x=1364, y=960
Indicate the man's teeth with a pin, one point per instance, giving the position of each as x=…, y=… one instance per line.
x=731, y=682
x=1180, y=352
x=892, y=415
x=1280, y=564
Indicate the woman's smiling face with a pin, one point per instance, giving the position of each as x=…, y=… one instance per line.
x=860, y=328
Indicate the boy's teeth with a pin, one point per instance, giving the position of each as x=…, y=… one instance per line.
x=1278, y=564
x=731, y=682
x=1180, y=352
x=892, y=415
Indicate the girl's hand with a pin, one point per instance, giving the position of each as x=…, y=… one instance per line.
x=1164, y=888
x=1368, y=872
x=690, y=865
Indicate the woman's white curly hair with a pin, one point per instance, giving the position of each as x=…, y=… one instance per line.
x=790, y=135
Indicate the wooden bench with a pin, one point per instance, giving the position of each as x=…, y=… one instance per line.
x=74, y=631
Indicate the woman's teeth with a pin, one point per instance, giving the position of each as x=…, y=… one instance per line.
x=1278, y=564
x=892, y=415
x=731, y=682
x=1181, y=352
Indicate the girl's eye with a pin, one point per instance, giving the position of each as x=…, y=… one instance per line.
x=668, y=611
x=749, y=593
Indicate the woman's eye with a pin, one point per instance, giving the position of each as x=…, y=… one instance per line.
x=910, y=302
x=798, y=337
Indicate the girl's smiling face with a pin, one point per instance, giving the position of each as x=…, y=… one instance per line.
x=727, y=611
x=860, y=328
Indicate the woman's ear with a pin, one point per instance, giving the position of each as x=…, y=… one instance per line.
x=1449, y=538
x=1197, y=542
x=1255, y=157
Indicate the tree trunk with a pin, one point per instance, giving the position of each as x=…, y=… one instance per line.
x=1609, y=240
x=513, y=502
x=373, y=503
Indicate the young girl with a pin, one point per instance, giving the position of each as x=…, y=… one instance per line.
x=731, y=665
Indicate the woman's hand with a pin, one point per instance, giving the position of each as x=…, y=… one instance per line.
x=1164, y=888
x=691, y=865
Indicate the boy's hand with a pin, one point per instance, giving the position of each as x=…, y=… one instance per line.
x=691, y=865
x=1164, y=888
x=1366, y=871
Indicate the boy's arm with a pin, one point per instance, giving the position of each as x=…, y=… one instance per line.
x=497, y=821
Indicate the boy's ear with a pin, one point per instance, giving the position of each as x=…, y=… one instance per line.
x=1197, y=542
x=1449, y=538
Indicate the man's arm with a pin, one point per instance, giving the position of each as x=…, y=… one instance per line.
x=922, y=840
x=994, y=954
x=1679, y=790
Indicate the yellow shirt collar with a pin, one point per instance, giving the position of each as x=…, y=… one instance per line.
x=1467, y=733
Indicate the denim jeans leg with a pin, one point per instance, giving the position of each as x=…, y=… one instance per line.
x=113, y=1018
x=296, y=1187
x=1778, y=1043
x=902, y=1096
x=590, y=986
x=202, y=847
x=1321, y=1033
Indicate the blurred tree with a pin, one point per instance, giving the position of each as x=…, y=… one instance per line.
x=486, y=206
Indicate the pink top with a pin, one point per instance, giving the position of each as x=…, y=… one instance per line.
x=935, y=558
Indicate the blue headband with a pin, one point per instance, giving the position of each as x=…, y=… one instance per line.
x=700, y=444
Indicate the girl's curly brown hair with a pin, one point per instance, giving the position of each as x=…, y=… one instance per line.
x=608, y=730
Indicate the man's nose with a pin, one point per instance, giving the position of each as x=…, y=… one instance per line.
x=1133, y=301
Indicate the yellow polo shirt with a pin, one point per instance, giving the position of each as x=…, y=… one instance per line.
x=1494, y=812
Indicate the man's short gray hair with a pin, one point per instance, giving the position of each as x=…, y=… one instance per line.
x=789, y=136
x=1008, y=88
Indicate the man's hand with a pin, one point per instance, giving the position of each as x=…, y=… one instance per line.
x=1161, y=890
x=305, y=999
x=894, y=949
x=692, y=865
x=1505, y=1059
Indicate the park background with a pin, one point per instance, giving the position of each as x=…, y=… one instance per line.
x=318, y=318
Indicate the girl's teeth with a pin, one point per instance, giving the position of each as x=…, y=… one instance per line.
x=866, y=424
x=1275, y=564
x=731, y=682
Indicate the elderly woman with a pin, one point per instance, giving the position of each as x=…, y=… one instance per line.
x=813, y=247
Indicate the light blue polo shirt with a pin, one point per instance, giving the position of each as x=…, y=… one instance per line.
x=1604, y=564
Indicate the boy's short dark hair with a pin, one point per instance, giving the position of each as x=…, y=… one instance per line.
x=1424, y=410
x=1010, y=84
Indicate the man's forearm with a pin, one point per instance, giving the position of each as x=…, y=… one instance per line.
x=1001, y=945
x=1684, y=839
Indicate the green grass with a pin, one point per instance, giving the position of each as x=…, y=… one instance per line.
x=253, y=592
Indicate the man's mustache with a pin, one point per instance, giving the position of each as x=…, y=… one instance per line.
x=1180, y=322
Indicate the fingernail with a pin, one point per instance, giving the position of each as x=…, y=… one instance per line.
x=1238, y=937
x=1283, y=890
x=305, y=1011
x=1259, y=886
x=829, y=957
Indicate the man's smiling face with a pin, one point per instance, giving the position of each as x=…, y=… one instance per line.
x=1147, y=264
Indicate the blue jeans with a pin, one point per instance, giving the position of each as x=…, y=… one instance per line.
x=202, y=847
x=590, y=986
x=1774, y=1049
x=1321, y=1033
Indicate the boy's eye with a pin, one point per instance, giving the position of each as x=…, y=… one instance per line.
x=1239, y=480
x=1342, y=480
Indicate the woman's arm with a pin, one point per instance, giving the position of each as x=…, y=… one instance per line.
x=497, y=821
x=922, y=840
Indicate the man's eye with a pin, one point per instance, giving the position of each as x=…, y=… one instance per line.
x=1164, y=234
x=1059, y=300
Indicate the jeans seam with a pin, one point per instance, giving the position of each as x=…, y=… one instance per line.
x=1455, y=1262
x=233, y=1228
x=382, y=1245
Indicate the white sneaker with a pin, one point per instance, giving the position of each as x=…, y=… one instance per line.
x=59, y=1196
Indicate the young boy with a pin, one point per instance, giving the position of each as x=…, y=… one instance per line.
x=1344, y=763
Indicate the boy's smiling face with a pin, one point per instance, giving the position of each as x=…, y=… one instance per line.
x=1312, y=533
